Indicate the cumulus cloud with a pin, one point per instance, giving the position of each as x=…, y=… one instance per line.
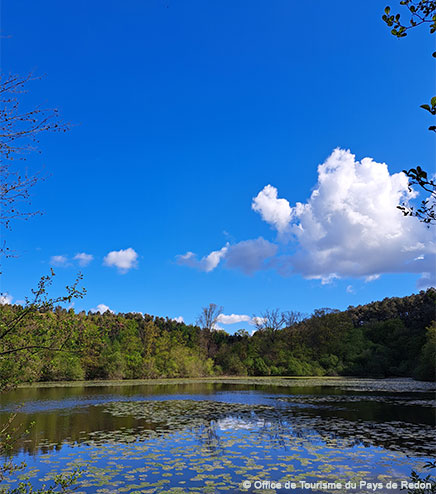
x=250, y=255
x=102, y=308
x=5, y=299
x=83, y=259
x=206, y=263
x=123, y=259
x=351, y=227
x=276, y=212
x=233, y=318
x=60, y=261
x=179, y=319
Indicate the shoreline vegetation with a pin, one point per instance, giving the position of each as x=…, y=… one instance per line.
x=181, y=380
x=395, y=337
x=283, y=381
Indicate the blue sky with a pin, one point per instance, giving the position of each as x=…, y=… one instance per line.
x=182, y=113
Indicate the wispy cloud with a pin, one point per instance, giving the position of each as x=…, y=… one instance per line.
x=206, y=263
x=83, y=259
x=59, y=261
x=248, y=256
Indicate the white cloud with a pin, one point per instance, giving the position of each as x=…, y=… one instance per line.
x=61, y=261
x=258, y=320
x=217, y=327
x=276, y=212
x=179, y=319
x=83, y=259
x=250, y=255
x=123, y=259
x=206, y=263
x=102, y=308
x=5, y=299
x=233, y=318
x=371, y=277
x=237, y=318
x=350, y=289
x=351, y=227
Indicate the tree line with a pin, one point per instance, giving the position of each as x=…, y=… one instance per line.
x=390, y=338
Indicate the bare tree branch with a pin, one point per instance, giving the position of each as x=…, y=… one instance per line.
x=209, y=316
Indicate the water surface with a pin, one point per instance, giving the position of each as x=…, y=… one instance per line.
x=211, y=435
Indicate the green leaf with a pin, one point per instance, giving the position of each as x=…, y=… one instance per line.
x=433, y=101
x=426, y=107
x=387, y=10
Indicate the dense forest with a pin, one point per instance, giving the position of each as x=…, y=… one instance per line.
x=394, y=337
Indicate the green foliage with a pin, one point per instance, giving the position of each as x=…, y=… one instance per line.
x=63, y=367
x=260, y=367
x=381, y=339
x=417, y=479
x=421, y=12
x=426, y=366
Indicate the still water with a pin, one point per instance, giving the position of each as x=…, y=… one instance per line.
x=225, y=435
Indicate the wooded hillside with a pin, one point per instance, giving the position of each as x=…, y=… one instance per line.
x=393, y=337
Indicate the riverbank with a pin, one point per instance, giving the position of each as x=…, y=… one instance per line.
x=389, y=384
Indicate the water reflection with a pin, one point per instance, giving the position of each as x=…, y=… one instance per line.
x=240, y=430
x=130, y=421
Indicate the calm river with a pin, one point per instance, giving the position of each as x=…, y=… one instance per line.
x=226, y=435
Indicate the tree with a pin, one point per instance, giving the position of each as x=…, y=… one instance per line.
x=270, y=319
x=421, y=12
x=208, y=317
x=427, y=211
x=19, y=131
x=20, y=338
x=20, y=334
x=292, y=318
